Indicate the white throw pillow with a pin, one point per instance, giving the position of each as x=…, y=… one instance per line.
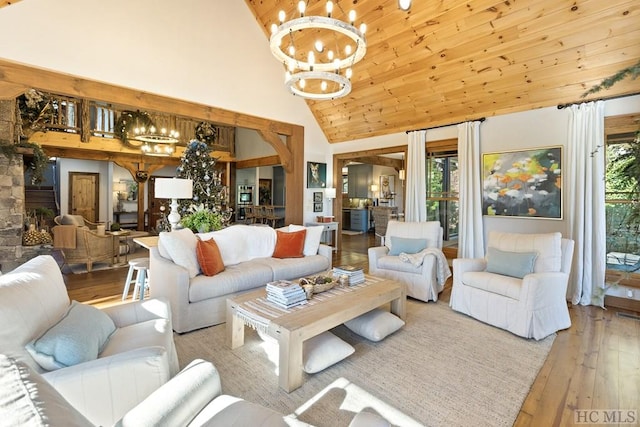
x=312, y=239
x=322, y=351
x=375, y=325
x=181, y=247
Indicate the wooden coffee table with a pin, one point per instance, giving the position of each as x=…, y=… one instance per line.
x=292, y=327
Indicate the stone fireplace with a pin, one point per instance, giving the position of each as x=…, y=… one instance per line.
x=12, y=198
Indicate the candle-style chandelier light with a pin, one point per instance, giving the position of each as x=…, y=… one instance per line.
x=318, y=51
x=156, y=143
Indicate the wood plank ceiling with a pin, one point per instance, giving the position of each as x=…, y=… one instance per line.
x=449, y=61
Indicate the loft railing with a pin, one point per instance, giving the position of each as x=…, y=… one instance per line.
x=66, y=114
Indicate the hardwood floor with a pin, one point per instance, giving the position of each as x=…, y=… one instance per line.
x=594, y=365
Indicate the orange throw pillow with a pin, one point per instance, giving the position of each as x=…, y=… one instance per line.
x=209, y=257
x=289, y=245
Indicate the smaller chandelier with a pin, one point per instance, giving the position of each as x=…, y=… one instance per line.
x=318, y=52
x=154, y=143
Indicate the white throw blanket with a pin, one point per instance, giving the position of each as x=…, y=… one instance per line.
x=443, y=272
x=240, y=243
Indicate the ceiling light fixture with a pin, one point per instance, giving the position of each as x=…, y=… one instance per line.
x=154, y=143
x=318, y=52
x=404, y=4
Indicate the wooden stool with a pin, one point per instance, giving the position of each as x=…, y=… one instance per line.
x=141, y=281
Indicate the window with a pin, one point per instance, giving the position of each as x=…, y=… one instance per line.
x=443, y=186
x=622, y=154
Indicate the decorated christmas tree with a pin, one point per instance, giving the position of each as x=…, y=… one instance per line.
x=208, y=192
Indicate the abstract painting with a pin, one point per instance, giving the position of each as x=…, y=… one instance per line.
x=523, y=183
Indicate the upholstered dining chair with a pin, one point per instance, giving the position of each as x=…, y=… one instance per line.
x=270, y=216
x=520, y=285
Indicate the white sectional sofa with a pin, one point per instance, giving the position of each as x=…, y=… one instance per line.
x=198, y=301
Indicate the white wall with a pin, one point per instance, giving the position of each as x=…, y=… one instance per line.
x=250, y=145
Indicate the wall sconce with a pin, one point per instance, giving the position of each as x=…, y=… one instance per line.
x=374, y=188
x=174, y=189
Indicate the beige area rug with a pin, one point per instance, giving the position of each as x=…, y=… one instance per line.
x=441, y=369
x=351, y=232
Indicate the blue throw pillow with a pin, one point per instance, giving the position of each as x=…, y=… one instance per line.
x=78, y=337
x=406, y=245
x=514, y=264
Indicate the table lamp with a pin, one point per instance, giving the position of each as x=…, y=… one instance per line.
x=120, y=188
x=174, y=189
x=330, y=193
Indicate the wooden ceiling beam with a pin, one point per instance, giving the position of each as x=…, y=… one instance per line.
x=258, y=162
x=283, y=151
x=68, y=145
x=382, y=161
x=4, y=3
x=64, y=84
x=10, y=90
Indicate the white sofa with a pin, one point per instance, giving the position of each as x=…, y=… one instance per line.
x=531, y=306
x=422, y=278
x=198, y=301
x=138, y=357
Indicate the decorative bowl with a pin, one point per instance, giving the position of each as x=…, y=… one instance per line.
x=319, y=287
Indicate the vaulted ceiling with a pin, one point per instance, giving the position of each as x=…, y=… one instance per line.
x=449, y=61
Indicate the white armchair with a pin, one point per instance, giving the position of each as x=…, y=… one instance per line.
x=421, y=278
x=138, y=357
x=519, y=286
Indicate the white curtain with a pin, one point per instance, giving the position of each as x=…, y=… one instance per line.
x=470, y=230
x=585, y=196
x=416, y=202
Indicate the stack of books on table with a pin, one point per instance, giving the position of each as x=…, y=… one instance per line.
x=286, y=294
x=355, y=274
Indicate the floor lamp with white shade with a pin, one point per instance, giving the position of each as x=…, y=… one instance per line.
x=174, y=189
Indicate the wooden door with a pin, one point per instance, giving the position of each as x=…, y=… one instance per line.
x=84, y=194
